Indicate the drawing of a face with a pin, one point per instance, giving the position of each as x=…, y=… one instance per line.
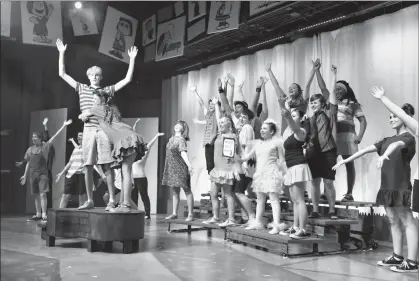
x=39, y=9
x=124, y=28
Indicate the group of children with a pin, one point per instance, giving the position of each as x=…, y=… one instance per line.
x=243, y=150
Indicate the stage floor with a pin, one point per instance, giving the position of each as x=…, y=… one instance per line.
x=175, y=256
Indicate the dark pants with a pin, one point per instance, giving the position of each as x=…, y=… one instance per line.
x=209, y=157
x=141, y=184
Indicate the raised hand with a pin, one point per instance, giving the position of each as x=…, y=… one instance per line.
x=268, y=66
x=68, y=122
x=241, y=86
x=380, y=161
x=264, y=79
x=316, y=64
x=259, y=83
x=45, y=122
x=132, y=52
x=195, y=120
x=340, y=163
x=231, y=79
x=214, y=100
x=160, y=134
x=193, y=89
x=60, y=46
x=71, y=140
x=285, y=112
x=377, y=93
x=225, y=80
x=334, y=69
x=219, y=83
x=18, y=164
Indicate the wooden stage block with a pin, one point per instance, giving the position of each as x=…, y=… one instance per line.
x=276, y=243
x=96, y=225
x=323, y=221
x=198, y=224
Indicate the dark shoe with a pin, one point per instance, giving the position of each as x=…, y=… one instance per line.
x=314, y=215
x=305, y=194
x=323, y=197
x=405, y=266
x=391, y=261
x=347, y=198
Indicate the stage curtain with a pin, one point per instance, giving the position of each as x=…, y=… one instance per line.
x=381, y=51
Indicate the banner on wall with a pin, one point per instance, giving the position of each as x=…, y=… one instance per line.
x=149, y=30
x=83, y=22
x=224, y=15
x=196, y=9
x=118, y=35
x=257, y=7
x=41, y=22
x=170, y=39
x=6, y=12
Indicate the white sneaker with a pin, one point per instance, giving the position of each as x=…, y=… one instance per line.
x=274, y=230
x=228, y=222
x=211, y=220
x=300, y=234
x=255, y=226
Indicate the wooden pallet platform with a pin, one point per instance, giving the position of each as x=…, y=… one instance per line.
x=197, y=224
x=323, y=221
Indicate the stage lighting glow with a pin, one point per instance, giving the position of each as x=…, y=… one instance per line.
x=78, y=5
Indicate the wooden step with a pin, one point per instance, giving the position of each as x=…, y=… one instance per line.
x=323, y=221
x=196, y=222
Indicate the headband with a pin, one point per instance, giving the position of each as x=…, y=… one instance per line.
x=342, y=86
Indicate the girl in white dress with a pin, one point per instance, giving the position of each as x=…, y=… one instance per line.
x=269, y=177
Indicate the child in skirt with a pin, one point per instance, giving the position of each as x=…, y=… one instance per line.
x=396, y=152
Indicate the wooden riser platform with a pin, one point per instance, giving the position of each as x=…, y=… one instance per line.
x=195, y=225
x=97, y=226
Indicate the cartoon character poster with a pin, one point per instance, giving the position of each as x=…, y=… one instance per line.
x=257, y=7
x=83, y=22
x=118, y=35
x=224, y=15
x=149, y=30
x=41, y=22
x=6, y=9
x=170, y=39
x=196, y=9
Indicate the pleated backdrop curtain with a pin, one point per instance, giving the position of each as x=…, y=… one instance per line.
x=381, y=51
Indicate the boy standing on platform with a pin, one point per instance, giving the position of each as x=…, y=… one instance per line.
x=96, y=148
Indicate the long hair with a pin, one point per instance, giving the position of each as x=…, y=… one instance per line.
x=185, y=130
x=299, y=99
x=350, y=95
x=111, y=110
x=230, y=122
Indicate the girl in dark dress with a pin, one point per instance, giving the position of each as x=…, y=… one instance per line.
x=395, y=153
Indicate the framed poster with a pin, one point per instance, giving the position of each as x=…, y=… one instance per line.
x=6, y=12
x=118, y=35
x=196, y=9
x=196, y=29
x=41, y=22
x=229, y=147
x=224, y=15
x=170, y=39
x=257, y=7
x=149, y=30
x=83, y=22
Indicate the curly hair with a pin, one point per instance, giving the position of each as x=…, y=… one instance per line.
x=111, y=110
x=349, y=95
x=185, y=129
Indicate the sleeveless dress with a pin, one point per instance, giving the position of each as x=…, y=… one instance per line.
x=268, y=176
x=224, y=167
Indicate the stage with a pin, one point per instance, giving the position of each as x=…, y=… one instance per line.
x=172, y=256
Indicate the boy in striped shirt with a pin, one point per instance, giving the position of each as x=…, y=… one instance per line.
x=96, y=148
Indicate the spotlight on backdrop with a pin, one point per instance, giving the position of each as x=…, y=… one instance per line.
x=78, y=5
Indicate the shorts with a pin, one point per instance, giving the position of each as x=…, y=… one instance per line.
x=96, y=147
x=241, y=185
x=75, y=185
x=321, y=165
x=415, y=197
x=209, y=157
x=39, y=184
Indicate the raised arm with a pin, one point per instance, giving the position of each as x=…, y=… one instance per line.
x=45, y=133
x=153, y=140
x=197, y=121
x=230, y=96
x=306, y=93
x=279, y=92
x=294, y=126
x=379, y=94
x=66, y=123
x=320, y=81
x=132, y=53
x=335, y=74
x=200, y=100
x=74, y=143
x=61, y=65
x=265, y=112
x=362, y=152
x=217, y=112
x=256, y=97
x=135, y=124
x=224, y=102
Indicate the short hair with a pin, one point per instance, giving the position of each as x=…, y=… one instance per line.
x=248, y=113
x=272, y=126
x=38, y=134
x=94, y=69
x=409, y=109
x=318, y=97
x=230, y=121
